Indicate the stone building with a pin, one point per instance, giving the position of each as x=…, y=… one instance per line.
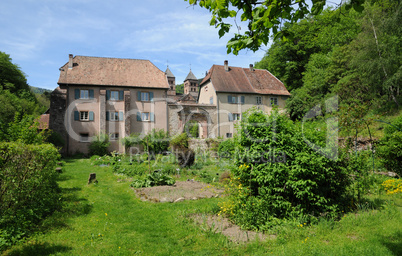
x=119, y=97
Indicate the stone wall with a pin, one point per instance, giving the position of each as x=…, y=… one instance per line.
x=58, y=101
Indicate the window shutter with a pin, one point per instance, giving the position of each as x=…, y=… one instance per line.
x=152, y=117
x=139, y=96
x=151, y=96
x=121, y=116
x=77, y=93
x=121, y=95
x=76, y=115
x=91, y=115
x=242, y=99
x=139, y=116
x=229, y=98
x=107, y=116
x=230, y=116
x=107, y=94
x=91, y=94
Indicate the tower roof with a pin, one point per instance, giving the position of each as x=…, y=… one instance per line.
x=190, y=76
x=169, y=73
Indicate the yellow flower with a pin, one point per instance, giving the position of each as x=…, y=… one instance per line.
x=105, y=214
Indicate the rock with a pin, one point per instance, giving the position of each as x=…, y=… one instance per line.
x=92, y=178
x=181, y=199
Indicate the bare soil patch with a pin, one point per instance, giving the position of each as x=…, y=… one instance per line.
x=182, y=190
x=234, y=233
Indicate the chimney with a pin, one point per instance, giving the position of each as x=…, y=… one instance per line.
x=226, y=64
x=251, y=67
x=70, y=61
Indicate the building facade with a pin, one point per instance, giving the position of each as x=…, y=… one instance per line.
x=119, y=97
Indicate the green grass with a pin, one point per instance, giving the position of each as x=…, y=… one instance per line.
x=107, y=219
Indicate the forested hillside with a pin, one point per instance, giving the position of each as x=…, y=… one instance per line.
x=15, y=93
x=356, y=56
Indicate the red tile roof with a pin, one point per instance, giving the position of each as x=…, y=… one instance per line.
x=243, y=80
x=43, y=122
x=112, y=72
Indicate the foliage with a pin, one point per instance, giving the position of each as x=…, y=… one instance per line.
x=180, y=141
x=131, y=141
x=99, y=145
x=263, y=18
x=24, y=130
x=154, y=179
x=15, y=94
x=392, y=186
x=390, y=148
x=350, y=54
x=156, y=142
x=28, y=188
x=226, y=148
x=180, y=88
x=278, y=175
x=191, y=128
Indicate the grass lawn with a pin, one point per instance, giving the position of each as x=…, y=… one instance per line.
x=108, y=219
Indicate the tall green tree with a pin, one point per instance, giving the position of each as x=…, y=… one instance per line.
x=263, y=18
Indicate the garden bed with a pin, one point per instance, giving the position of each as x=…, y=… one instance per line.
x=182, y=190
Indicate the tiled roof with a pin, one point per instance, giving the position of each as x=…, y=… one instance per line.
x=112, y=72
x=243, y=80
x=190, y=76
x=169, y=73
x=43, y=122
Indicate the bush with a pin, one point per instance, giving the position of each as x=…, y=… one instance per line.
x=99, y=145
x=28, y=188
x=156, y=142
x=277, y=174
x=153, y=179
x=180, y=141
x=226, y=148
x=390, y=148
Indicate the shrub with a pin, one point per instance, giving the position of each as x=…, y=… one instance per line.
x=153, y=179
x=156, y=142
x=277, y=174
x=392, y=186
x=180, y=141
x=99, y=145
x=226, y=148
x=28, y=188
x=390, y=148
x=130, y=141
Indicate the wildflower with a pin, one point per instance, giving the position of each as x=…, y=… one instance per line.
x=105, y=214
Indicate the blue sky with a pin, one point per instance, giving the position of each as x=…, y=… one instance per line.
x=39, y=34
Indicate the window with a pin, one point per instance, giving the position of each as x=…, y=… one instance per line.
x=234, y=116
x=274, y=101
x=259, y=100
x=84, y=116
x=145, y=116
x=144, y=96
x=84, y=94
x=114, y=136
x=211, y=100
x=114, y=116
x=229, y=135
x=114, y=95
x=84, y=137
x=235, y=99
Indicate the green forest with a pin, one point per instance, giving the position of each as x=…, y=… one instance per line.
x=354, y=55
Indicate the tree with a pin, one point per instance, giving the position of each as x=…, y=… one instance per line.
x=263, y=17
